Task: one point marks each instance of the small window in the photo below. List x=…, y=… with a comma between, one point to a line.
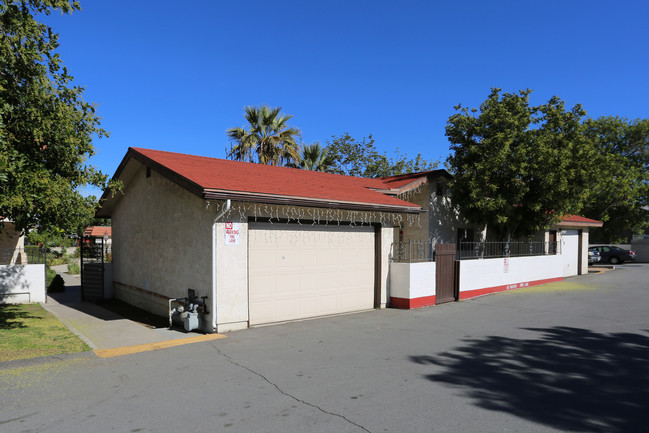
x=148, y=172
x=440, y=189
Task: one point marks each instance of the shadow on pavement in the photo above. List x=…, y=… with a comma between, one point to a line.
x=109, y=309
x=567, y=378
x=71, y=298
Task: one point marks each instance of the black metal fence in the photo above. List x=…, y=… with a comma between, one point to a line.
x=484, y=250
x=413, y=251
x=23, y=256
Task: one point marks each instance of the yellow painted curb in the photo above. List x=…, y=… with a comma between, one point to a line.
x=127, y=350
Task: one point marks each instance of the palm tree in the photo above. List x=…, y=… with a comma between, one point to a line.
x=268, y=139
x=316, y=158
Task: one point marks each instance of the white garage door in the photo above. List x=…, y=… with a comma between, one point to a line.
x=296, y=272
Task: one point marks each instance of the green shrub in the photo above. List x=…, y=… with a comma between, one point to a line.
x=74, y=269
x=49, y=276
x=57, y=285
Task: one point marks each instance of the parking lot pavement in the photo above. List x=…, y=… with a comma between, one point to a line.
x=570, y=356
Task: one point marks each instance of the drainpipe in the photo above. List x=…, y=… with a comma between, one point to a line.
x=216, y=218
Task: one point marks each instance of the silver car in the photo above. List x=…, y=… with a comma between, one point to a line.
x=593, y=257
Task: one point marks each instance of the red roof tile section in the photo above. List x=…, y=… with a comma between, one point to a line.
x=97, y=231
x=578, y=219
x=235, y=176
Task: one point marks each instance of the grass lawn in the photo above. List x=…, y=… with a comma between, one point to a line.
x=28, y=331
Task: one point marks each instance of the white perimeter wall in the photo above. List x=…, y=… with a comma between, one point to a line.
x=20, y=284
x=412, y=280
x=490, y=273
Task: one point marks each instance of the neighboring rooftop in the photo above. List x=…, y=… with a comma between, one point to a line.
x=98, y=231
x=579, y=221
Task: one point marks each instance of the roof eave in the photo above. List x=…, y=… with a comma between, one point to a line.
x=174, y=177
x=307, y=201
x=426, y=177
x=579, y=224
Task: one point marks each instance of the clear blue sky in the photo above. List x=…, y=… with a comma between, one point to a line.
x=174, y=76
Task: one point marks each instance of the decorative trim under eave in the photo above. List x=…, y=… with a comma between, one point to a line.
x=307, y=202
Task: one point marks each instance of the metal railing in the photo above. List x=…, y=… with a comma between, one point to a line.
x=413, y=251
x=484, y=250
x=23, y=256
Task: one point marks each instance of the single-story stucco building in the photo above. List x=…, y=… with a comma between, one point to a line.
x=265, y=244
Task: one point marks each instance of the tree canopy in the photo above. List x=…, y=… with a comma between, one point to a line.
x=518, y=168
x=361, y=158
x=268, y=139
x=46, y=128
x=316, y=158
x=620, y=186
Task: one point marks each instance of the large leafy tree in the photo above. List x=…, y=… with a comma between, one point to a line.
x=518, y=168
x=361, y=158
x=46, y=128
x=268, y=139
x=620, y=188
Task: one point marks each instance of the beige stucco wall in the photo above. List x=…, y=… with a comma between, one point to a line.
x=440, y=220
x=12, y=245
x=419, y=230
x=162, y=241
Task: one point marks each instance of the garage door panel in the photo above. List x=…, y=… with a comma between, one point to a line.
x=301, y=272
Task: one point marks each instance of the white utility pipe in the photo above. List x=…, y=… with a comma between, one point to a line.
x=228, y=204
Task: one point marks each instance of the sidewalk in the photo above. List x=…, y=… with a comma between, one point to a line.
x=98, y=327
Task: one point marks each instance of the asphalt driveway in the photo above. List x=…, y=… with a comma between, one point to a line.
x=570, y=356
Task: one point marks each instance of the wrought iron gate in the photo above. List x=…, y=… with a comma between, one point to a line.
x=444, y=273
x=92, y=252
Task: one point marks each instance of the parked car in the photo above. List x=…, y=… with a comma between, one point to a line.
x=593, y=256
x=612, y=254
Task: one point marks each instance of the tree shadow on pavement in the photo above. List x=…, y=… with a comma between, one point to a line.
x=567, y=378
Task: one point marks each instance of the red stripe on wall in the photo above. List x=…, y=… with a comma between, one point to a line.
x=481, y=292
x=407, y=304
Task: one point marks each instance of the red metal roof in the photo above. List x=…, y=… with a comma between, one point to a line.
x=213, y=174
